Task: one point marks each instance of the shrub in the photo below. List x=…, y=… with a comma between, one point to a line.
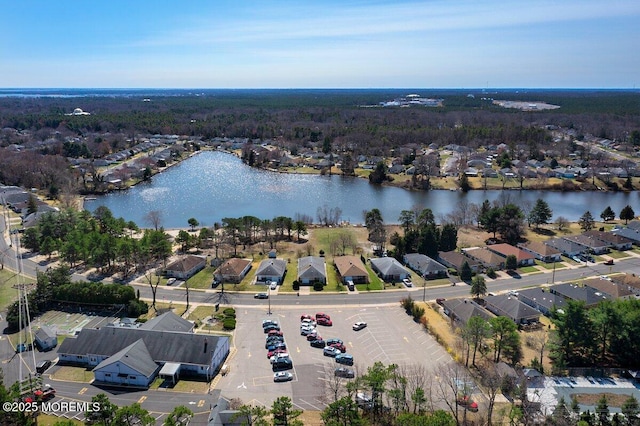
x=417, y=313
x=229, y=312
x=229, y=324
x=318, y=286
x=230, y=315
x=296, y=285
x=491, y=273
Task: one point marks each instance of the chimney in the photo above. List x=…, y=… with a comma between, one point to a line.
x=205, y=345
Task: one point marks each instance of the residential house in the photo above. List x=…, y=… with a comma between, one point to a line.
x=461, y=310
x=186, y=267
x=425, y=266
x=222, y=415
x=505, y=305
x=455, y=260
x=312, y=269
x=233, y=270
x=615, y=241
x=46, y=338
x=566, y=247
x=351, y=268
x=487, y=258
x=588, y=295
x=389, y=269
x=271, y=270
x=632, y=282
x=541, y=251
x=589, y=244
x=524, y=258
x=542, y=300
x=488, y=172
x=168, y=322
x=613, y=289
x=629, y=233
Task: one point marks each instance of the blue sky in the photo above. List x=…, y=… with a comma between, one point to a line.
x=320, y=44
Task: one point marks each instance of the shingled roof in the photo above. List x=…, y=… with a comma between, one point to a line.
x=136, y=356
x=163, y=346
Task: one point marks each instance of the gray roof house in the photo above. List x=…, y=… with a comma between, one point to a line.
x=455, y=260
x=461, y=310
x=271, y=270
x=509, y=306
x=541, y=299
x=617, y=242
x=590, y=244
x=389, y=269
x=541, y=251
x=566, y=247
x=46, y=338
x=586, y=294
x=425, y=266
x=168, y=322
x=132, y=366
x=312, y=269
x=629, y=233
x=191, y=353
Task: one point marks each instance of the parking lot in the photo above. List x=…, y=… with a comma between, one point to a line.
x=390, y=337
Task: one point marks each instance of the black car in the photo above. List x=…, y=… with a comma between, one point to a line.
x=344, y=359
x=318, y=343
x=276, y=345
x=261, y=296
x=273, y=340
x=333, y=341
x=42, y=366
x=282, y=364
x=270, y=327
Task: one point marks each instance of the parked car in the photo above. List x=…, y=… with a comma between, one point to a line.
x=307, y=321
x=282, y=376
x=305, y=316
x=345, y=359
x=331, y=351
x=273, y=340
x=42, y=366
x=347, y=373
x=306, y=330
x=325, y=321
x=261, y=296
x=407, y=282
x=274, y=333
x=313, y=336
x=276, y=345
x=171, y=281
x=271, y=327
x=275, y=351
x=609, y=262
x=273, y=285
x=440, y=300
x=350, y=285
x=282, y=364
x=339, y=346
x=333, y=340
x=318, y=343
x=359, y=325
x=322, y=315
x=269, y=321
x=280, y=355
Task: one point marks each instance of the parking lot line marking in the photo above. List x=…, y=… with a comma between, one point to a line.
x=82, y=391
x=141, y=400
x=405, y=339
x=201, y=403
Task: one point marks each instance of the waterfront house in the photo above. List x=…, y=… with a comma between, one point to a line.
x=455, y=260
x=186, y=266
x=589, y=244
x=389, y=269
x=541, y=251
x=312, y=269
x=351, y=268
x=524, y=258
x=271, y=270
x=425, y=266
x=487, y=258
x=233, y=270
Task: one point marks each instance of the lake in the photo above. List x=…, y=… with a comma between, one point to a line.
x=213, y=185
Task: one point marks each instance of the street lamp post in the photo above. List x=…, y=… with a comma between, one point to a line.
x=269, y=299
x=424, y=290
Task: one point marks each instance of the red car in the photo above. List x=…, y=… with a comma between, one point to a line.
x=339, y=346
x=324, y=321
x=274, y=333
x=305, y=316
x=276, y=351
x=322, y=315
x=313, y=336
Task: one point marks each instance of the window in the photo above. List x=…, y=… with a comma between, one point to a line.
x=107, y=374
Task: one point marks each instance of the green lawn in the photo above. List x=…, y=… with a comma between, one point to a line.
x=7, y=293
x=549, y=266
x=619, y=254
x=202, y=279
x=528, y=269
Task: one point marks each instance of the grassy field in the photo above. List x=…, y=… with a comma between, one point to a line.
x=7, y=293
